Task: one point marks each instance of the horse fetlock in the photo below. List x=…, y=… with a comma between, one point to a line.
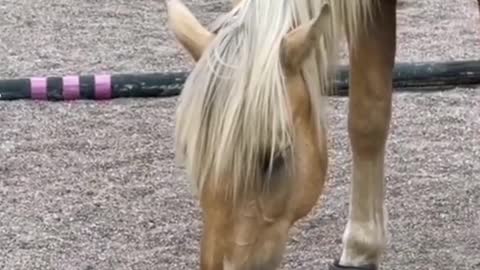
x=364, y=243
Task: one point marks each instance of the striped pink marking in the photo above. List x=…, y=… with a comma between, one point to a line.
x=71, y=87
x=38, y=88
x=103, y=86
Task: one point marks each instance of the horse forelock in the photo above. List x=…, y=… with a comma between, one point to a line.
x=234, y=106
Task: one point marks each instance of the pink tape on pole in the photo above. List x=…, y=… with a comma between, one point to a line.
x=71, y=87
x=38, y=88
x=103, y=87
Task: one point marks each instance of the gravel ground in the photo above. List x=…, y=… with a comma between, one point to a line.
x=93, y=185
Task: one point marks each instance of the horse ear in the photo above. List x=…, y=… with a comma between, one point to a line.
x=299, y=42
x=187, y=29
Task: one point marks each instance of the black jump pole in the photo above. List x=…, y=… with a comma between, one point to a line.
x=416, y=77
x=424, y=77
x=96, y=87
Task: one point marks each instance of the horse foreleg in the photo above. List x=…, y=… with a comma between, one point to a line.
x=372, y=58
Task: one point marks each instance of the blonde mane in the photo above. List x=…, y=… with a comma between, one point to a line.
x=233, y=115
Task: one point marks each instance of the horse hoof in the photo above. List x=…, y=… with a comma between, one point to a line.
x=336, y=266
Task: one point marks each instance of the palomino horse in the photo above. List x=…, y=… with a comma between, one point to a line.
x=251, y=131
